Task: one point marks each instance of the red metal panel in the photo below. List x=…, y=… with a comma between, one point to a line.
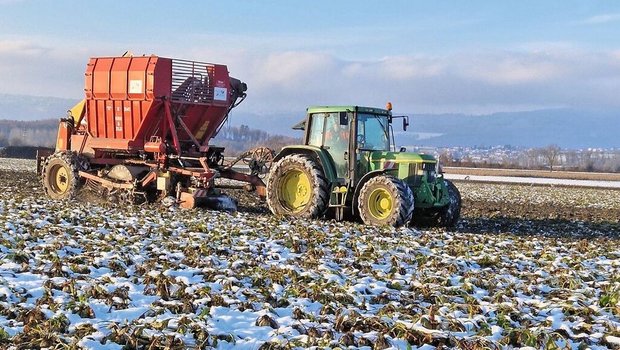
x=100, y=118
x=221, y=89
x=128, y=130
x=91, y=110
x=88, y=88
x=108, y=143
x=137, y=78
x=118, y=78
x=162, y=77
x=101, y=78
x=152, y=114
x=117, y=121
x=136, y=116
x=109, y=119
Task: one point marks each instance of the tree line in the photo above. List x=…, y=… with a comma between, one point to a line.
x=238, y=139
x=40, y=133
x=551, y=157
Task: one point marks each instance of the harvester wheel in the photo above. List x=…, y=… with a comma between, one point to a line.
x=385, y=200
x=450, y=214
x=60, y=175
x=297, y=187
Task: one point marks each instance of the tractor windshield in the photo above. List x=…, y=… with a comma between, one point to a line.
x=372, y=132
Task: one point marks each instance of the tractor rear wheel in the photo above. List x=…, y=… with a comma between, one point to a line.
x=297, y=187
x=450, y=214
x=385, y=200
x=60, y=175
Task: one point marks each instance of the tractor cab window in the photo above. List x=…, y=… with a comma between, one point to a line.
x=331, y=131
x=315, y=137
x=372, y=132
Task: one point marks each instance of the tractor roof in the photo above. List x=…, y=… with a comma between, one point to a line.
x=327, y=109
x=330, y=109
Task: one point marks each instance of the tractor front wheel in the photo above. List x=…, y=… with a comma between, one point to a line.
x=60, y=175
x=385, y=200
x=297, y=187
x=450, y=214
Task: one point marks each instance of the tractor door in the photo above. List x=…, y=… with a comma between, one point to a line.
x=372, y=134
x=331, y=131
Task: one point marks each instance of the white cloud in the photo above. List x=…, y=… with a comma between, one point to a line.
x=33, y=67
x=407, y=67
x=289, y=81
x=290, y=68
x=601, y=19
x=20, y=47
x=511, y=69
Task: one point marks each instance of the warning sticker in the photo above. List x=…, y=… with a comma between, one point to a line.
x=220, y=94
x=135, y=86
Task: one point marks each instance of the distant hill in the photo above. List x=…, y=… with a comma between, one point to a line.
x=568, y=128
x=23, y=107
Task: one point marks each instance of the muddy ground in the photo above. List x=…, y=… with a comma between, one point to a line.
x=487, y=208
x=559, y=215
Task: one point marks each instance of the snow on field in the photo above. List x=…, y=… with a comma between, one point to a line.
x=540, y=195
x=535, y=180
x=102, y=276
x=18, y=164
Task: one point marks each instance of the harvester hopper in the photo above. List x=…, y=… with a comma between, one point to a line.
x=143, y=132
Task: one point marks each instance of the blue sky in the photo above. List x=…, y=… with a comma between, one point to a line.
x=449, y=56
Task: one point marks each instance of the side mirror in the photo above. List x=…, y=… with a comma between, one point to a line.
x=344, y=118
x=405, y=123
x=403, y=149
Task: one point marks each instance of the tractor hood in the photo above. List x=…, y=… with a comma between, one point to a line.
x=402, y=157
x=391, y=160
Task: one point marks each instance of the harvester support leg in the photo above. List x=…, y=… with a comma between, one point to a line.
x=172, y=126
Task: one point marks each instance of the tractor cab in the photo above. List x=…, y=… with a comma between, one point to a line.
x=345, y=133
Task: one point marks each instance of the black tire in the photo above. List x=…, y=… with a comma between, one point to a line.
x=396, y=195
x=60, y=175
x=450, y=214
x=307, y=194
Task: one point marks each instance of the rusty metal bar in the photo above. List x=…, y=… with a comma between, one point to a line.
x=106, y=183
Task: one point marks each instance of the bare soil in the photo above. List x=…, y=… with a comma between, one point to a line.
x=482, y=215
x=488, y=216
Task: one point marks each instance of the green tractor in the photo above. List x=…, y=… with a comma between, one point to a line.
x=347, y=168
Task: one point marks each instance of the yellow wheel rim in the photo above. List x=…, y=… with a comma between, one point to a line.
x=60, y=179
x=295, y=190
x=380, y=203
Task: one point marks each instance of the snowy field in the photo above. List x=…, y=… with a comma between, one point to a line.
x=535, y=181
x=18, y=164
x=88, y=276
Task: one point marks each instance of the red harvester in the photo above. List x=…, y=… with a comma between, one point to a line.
x=143, y=131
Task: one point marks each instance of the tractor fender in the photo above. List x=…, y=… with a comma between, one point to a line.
x=361, y=183
x=316, y=153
